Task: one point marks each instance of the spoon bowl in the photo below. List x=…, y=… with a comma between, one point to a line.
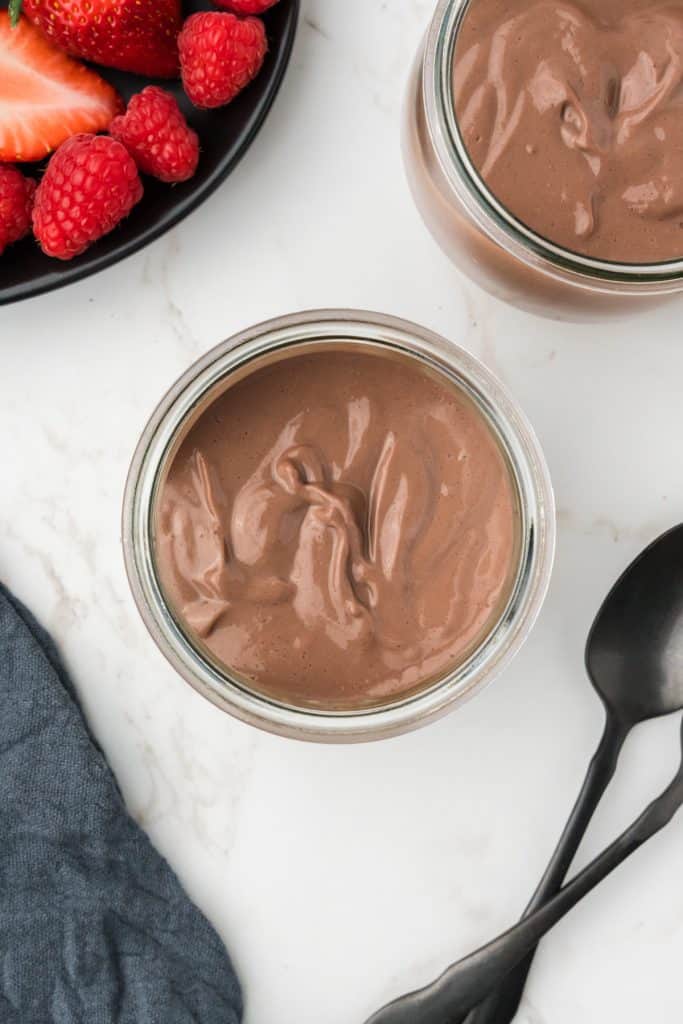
x=634, y=659
x=634, y=654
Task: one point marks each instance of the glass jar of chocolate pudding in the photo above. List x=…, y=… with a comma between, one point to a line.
x=543, y=145
x=338, y=525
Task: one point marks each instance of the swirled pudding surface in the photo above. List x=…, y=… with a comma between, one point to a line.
x=338, y=528
x=573, y=115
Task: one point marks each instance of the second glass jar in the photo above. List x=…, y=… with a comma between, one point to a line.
x=482, y=237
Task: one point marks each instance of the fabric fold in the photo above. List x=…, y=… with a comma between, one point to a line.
x=95, y=928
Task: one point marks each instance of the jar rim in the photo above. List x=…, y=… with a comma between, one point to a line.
x=491, y=215
x=529, y=470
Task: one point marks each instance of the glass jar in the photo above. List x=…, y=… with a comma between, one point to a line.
x=481, y=236
x=280, y=338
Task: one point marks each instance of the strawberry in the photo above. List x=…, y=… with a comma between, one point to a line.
x=131, y=35
x=44, y=95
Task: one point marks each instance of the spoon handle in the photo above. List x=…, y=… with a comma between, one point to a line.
x=464, y=984
x=501, y=1006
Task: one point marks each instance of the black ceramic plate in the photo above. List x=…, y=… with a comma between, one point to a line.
x=225, y=135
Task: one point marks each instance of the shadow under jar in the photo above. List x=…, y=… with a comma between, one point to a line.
x=486, y=238
x=338, y=525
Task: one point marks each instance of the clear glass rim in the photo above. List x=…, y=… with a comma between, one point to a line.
x=529, y=470
x=492, y=216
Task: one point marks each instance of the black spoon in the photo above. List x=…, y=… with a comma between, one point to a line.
x=464, y=984
x=634, y=658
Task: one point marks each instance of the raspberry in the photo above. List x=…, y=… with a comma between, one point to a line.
x=219, y=55
x=157, y=136
x=90, y=184
x=245, y=6
x=16, y=202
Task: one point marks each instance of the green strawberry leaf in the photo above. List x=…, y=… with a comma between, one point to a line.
x=14, y=12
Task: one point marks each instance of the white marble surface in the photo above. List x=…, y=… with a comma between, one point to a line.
x=339, y=877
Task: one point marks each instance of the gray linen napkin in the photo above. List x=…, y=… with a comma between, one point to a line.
x=94, y=926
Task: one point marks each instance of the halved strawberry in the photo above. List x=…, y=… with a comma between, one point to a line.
x=46, y=96
x=131, y=35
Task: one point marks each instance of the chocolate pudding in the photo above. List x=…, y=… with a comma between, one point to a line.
x=572, y=114
x=339, y=528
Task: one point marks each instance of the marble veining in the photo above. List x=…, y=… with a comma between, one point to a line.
x=341, y=876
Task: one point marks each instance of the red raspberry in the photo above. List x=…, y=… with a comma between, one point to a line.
x=16, y=202
x=245, y=6
x=157, y=136
x=90, y=184
x=219, y=55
